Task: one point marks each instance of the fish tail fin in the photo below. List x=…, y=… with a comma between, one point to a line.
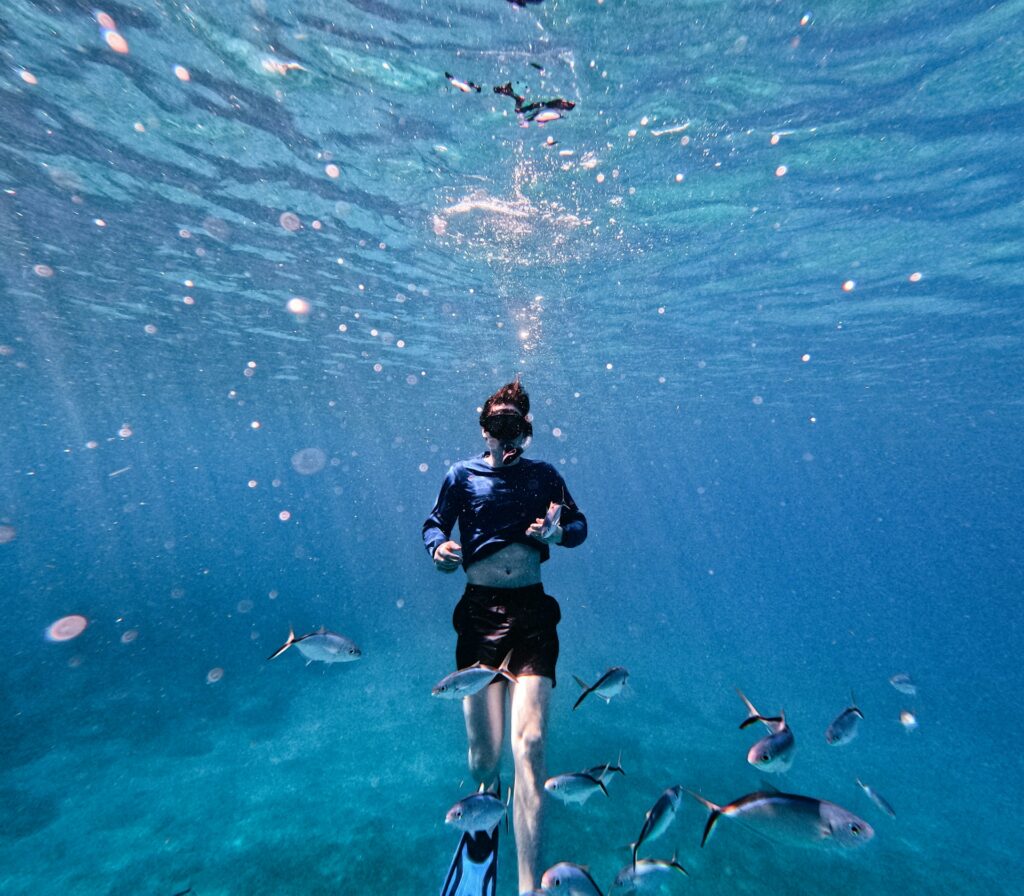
x=618, y=764
x=285, y=646
x=633, y=847
x=586, y=691
x=716, y=813
x=503, y=669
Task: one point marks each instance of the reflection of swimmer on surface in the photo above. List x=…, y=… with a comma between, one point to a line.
x=464, y=86
x=540, y=111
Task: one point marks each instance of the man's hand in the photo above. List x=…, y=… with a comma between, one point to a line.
x=448, y=556
x=536, y=530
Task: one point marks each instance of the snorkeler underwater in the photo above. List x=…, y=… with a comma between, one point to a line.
x=510, y=447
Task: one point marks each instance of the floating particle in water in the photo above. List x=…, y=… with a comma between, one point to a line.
x=177, y=593
x=150, y=329
x=298, y=305
x=129, y=636
x=904, y=684
x=332, y=170
x=188, y=300
x=217, y=228
x=255, y=424
x=273, y=595
x=99, y=222
x=812, y=419
x=284, y=516
x=781, y=171
x=378, y=367
x=289, y=221
x=342, y=328
x=125, y=432
x=411, y=379
x=66, y=628
x=680, y=177
x=775, y=140
x=915, y=277
x=115, y=41
x=908, y=720
x=28, y=77
x=214, y=675
x=42, y=270
x=400, y=343
x=245, y=606
x=423, y=468
x=182, y=73
x=104, y=20
x=758, y=400
x=805, y=358
x=252, y=483
x=316, y=225
x=805, y=20
x=546, y=116
x=309, y=461
x=849, y=285
x=7, y=534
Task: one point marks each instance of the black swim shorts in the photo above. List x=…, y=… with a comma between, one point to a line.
x=491, y=622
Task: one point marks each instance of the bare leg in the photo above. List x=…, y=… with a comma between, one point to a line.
x=530, y=699
x=485, y=731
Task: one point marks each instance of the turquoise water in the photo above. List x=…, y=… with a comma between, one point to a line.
x=793, y=487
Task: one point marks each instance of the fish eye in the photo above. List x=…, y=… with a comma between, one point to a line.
x=855, y=830
x=765, y=757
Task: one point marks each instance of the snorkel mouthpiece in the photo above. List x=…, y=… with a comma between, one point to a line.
x=509, y=453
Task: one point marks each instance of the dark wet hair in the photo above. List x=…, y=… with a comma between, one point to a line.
x=510, y=394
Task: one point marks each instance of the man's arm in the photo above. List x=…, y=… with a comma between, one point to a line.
x=438, y=526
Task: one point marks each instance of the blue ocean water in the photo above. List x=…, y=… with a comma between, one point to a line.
x=261, y=262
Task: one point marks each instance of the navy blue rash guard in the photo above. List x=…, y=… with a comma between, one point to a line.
x=494, y=506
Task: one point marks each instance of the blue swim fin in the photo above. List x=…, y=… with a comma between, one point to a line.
x=474, y=870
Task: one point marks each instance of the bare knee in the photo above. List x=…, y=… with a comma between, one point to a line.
x=528, y=747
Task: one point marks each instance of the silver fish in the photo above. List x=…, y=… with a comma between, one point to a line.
x=659, y=817
x=877, y=798
x=773, y=752
x=573, y=880
x=791, y=818
x=904, y=684
x=607, y=686
x=480, y=811
x=322, y=646
x=575, y=787
x=646, y=876
x=472, y=679
x=844, y=726
x=551, y=519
